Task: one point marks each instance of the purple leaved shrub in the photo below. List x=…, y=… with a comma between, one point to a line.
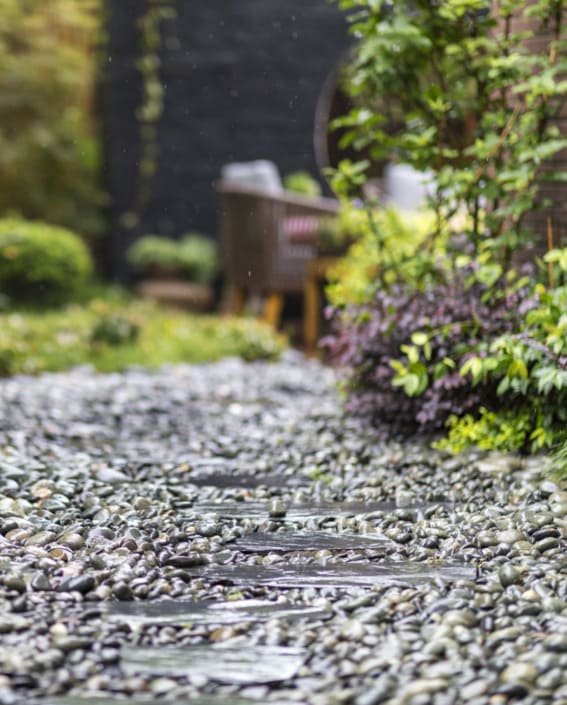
x=457, y=315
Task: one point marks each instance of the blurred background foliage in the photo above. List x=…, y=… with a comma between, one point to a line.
x=50, y=155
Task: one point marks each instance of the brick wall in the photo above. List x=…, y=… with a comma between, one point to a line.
x=555, y=192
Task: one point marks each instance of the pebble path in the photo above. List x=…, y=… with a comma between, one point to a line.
x=223, y=535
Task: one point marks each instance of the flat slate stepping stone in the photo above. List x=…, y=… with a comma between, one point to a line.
x=235, y=665
x=230, y=480
x=287, y=542
x=339, y=575
x=301, y=512
x=178, y=612
x=141, y=700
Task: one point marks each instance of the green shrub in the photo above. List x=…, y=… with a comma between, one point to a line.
x=387, y=245
x=454, y=89
x=302, y=182
x=7, y=362
x=50, y=154
x=401, y=352
x=41, y=264
x=194, y=256
x=115, y=330
x=559, y=460
x=153, y=251
x=528, y=370
x=199, y=257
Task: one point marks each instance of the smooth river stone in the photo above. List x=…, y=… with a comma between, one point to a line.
x=245, y=664
x=179, y=613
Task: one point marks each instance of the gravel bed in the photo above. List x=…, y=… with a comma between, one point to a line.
x=463, y=591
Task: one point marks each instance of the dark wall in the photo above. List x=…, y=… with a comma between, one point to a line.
x=242, y=80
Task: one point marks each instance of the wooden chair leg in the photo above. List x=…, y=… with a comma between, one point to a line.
x=235, y=298
x=311, y=313
x=273, y=309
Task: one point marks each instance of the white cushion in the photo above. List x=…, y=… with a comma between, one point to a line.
x=261, y=174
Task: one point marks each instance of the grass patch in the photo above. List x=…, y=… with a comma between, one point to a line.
x=32, y=342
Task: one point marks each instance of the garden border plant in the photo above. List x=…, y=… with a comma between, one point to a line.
x=41, y=264
x=475, y=108
x=50, y=151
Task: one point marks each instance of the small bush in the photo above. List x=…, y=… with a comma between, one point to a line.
x=50, y=147
x=152, y=251
x=527, y=368
x=194, y=256
x=402, y=352
x=7, y=362
x=115, y=330
x=302, y=182
x=559, y=460
x=387, y=245
x=41, y=264
x=199, y=257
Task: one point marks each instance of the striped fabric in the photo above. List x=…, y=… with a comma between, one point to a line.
x=301, y=229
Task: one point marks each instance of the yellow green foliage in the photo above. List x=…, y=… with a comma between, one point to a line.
x=49, y=155
x=387, y=245
x=41, y=264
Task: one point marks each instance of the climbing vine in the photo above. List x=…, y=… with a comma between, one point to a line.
x=151, y=106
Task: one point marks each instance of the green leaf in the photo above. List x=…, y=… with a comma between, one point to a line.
x=419, y=339
x=472, y=366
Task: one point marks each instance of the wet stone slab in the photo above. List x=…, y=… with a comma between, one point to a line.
x=144, y=700
x=339, y=575
x=287, y=542
x=299, y=512
x=244, y=664
x=236, y=480
x=175, y=612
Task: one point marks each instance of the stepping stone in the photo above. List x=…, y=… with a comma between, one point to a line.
x=340, y=575
x=287, y=542
x=143, y=700
x=245, y=664
x=299, y=512
x=230, y=480
x=179, y=613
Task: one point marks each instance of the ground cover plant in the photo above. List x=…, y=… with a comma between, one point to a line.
x=112, y=332
x=450, y=330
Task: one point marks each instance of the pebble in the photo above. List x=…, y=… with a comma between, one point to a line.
x=277, y=509
x=74, y=541
x=82, y=584
x=510, y=575
x=515, y=672
x=98, y=520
